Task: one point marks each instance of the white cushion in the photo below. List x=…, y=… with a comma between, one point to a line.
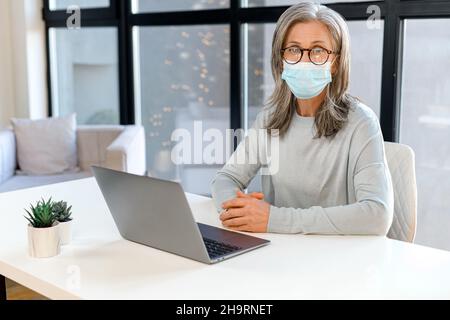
x=46, y=146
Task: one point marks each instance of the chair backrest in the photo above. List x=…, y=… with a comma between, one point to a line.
x=401, y=163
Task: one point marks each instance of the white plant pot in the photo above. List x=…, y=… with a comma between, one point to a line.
x=44, y=243
x=65, y=232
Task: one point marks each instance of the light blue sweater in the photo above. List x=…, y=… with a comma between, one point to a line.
x=340, y=185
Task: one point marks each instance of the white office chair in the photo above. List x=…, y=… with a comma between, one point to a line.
x=401, y=163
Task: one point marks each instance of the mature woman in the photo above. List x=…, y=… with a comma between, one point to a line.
x=332, y=177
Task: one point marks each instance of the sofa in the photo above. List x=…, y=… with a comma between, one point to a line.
x=116, y=147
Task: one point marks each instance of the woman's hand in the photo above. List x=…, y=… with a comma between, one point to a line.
x=249, y=213
x=256, y=195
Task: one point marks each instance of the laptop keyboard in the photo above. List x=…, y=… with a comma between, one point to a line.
x=217, y=249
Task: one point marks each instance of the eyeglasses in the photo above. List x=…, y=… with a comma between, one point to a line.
x=317, y=55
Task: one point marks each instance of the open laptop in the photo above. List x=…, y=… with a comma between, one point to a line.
x=156, y=213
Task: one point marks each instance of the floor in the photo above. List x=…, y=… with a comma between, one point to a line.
x=17, y=292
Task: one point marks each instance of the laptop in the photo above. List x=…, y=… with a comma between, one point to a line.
x=156, y=213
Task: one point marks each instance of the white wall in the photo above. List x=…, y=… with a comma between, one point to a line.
x=23, y=87
x=6, y=73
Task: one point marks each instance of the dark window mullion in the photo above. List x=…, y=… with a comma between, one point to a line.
x=236, y=121
x=84, y=24
x=126, y=74
x=424, y=9
x=214, y=16
x=48, y=71
x=390, y=76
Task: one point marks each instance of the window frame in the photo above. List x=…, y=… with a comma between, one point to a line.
x=120, y=15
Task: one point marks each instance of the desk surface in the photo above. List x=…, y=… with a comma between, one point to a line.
x=100, y=265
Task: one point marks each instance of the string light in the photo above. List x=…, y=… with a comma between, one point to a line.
x=258, y=72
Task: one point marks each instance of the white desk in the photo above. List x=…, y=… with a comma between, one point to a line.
x=292, y=267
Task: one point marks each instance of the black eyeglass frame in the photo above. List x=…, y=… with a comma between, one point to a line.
x=330, y=52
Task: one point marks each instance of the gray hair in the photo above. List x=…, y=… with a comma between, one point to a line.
x=333, y=113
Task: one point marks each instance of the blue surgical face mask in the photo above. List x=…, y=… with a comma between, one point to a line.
x=305, y=79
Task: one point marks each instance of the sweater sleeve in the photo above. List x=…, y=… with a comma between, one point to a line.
x=372, y=212
x=240, y=169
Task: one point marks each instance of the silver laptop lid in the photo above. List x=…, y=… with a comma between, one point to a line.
x=152, y=212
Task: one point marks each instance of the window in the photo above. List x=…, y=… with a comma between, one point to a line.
x=84, y=71
x=258, y=79
x=366, y=66
x=425, y=123
x=184, y=79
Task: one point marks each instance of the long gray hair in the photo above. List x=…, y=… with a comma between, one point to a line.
x=332, y=115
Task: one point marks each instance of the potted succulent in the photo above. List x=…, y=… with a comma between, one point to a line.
x=43, y=230
x=63, y=214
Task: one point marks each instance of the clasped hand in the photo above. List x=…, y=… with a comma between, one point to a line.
x=246, y=212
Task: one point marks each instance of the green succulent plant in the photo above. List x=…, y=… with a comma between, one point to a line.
x=62, y=212
x=41, y=216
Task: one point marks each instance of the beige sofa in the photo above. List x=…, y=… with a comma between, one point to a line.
x=116, y=147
